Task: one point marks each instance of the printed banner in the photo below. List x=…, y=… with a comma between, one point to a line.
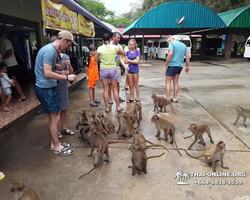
x=59, y=17
x=86, y=27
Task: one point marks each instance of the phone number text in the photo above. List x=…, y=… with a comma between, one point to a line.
x=218, y=182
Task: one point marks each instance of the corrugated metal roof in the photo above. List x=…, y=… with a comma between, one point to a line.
x=168, y=14
x=237, y=18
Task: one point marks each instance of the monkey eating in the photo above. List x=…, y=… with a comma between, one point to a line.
x=168, y=128
x=82, y=119
x=198, y=131
x=126, y=125
x=106, y=122
x=23, y=192
x=139, y=161
x=213, y=154
x=242, y=112
x=139, y=141
x=161, y=102
x=98, y=140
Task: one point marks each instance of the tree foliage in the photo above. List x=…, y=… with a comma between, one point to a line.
x=96, y=8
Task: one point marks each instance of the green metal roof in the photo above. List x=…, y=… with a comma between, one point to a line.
x=166, y=16
x=237, y=18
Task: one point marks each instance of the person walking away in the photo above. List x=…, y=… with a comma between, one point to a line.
x=108, y=71
x=116, y=39
x=63, y=66
x=174, y=65
x=8, y=57
x=145, y=51
x=92, y=75
x=6, y=84
x=46, y=87
x=153, y=50
x=132, y=58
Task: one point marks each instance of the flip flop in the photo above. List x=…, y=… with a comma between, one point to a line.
x=106, y=111
x=67, y=131
x=1, y=175
x=120, y=110
x=130, y=101
x=20, y=99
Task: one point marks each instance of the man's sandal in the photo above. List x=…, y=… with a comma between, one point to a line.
x=66, y=131
x=64, y=152
x=65, y=145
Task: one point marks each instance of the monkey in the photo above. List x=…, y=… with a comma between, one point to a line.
x=139, y=161
x=131, y=116
x=161, y=102
x=23, y=192
x=126, y=126
x=213, y=154
x=82, y=119
x=83, y=132
x=106, y=122
x=168, y=128
x=243, y=112
x=198, y=131
x=98, y=140
x=97, y=122
x=140, y=141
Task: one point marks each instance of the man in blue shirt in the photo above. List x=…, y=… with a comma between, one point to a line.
x=153, y=50
x=46, y=82
x=174, y=64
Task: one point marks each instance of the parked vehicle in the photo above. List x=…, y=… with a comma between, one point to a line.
x=247, y=49
x=162, y=48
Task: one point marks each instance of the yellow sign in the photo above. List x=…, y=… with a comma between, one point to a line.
x=86, y=27
x=59, y=17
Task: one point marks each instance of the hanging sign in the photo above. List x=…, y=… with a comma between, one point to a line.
x=59, y=17
x=86, y=27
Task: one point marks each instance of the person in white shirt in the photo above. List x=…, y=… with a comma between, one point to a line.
x=6, y=84
x=8, y=57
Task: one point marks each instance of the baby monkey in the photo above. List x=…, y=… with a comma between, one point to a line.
x=213, y=154
x=23, y=192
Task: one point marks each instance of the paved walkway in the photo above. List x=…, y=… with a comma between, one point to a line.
x=209, y=94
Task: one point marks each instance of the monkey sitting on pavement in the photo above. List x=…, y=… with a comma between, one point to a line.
x=168, y=128
x=213, y=154
x=198, y=131
x=23, y=192
x=98, y=140
x=106, y=122
x=242, y=112
x=139, y=161
x=161, y=102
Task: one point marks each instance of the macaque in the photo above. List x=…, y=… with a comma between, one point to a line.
x=97, y=122
x=126, y=125
x=161, y=102
x=98, y=140
x=139, y=141
x=198, y=131
x=106, y=122
x=82, y=119
x=168, y=128
x=23, y=192
x=213, y=154
x=139, y=161
x=243, y=112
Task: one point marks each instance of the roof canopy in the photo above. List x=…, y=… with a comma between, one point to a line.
x=164, y=19
x=237, y=18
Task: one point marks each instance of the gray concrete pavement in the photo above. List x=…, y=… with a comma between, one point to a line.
x=209, y=94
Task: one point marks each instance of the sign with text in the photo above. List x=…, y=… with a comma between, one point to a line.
x=59, y=17
x=86, y=27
